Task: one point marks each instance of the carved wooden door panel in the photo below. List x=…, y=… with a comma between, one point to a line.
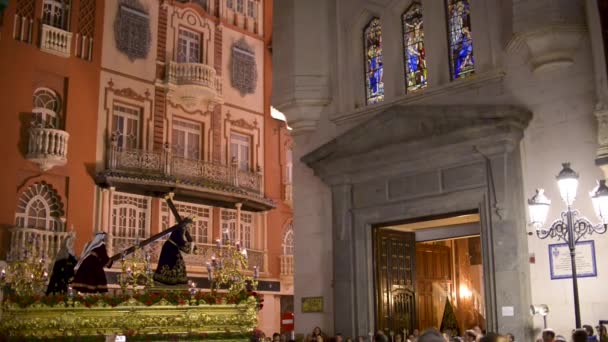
x=433, y=277
x=394, y=254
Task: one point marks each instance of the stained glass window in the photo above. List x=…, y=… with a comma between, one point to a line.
x=462, y=63
x=373, y=62
x=413, y=43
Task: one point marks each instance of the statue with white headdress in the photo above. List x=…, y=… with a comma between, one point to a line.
x=90, y=276
x=63, y=268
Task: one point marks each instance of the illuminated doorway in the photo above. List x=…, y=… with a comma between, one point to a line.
x=429, y=274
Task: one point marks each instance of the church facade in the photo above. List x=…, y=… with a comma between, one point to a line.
x=421, y=128
x=111, y=104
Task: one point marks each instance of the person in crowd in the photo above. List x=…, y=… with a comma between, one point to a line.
x=603, y=332
x=470, y=336
x=380, y=337
x=590, y=333
x=548, y=335
x=276, y=337
x=560, y=338
x=411, y=338
x=490, y=337
x=89, y=274
x=431, y=335
x=579, y=335
x=360, y=338
x=338, y=338
x=398, y=337
x=510, y=337
x=348, y=339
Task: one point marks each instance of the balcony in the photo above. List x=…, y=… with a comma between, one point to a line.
x=48, y=242
x=151, y=172
x=194, y=84
x=47, y=147
x=55, y=41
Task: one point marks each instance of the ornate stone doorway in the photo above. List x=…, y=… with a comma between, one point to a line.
x=410, y=162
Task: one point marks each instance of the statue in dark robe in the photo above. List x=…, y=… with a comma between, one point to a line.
x=63, y=269
x=171, y=268
x=90, y=276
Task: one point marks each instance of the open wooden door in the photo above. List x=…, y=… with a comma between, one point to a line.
x=394, y=254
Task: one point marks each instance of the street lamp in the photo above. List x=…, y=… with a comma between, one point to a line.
x=569, y=228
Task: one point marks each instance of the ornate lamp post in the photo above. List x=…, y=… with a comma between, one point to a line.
x=569, y=228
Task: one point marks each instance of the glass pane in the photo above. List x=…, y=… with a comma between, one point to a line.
x=373, y=62
x=413, y=41
x=462, y=63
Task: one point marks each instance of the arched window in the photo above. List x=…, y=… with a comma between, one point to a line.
x=288, y=240
x=47, y=107
x=374, y=85
x=40, y=207
x=413, y=43
x=462, y=63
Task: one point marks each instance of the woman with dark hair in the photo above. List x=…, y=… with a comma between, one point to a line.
x=579, y=335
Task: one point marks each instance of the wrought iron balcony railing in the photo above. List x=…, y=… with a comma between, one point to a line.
x=164, y=164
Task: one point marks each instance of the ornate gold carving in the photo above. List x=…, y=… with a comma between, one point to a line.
x=129, y=318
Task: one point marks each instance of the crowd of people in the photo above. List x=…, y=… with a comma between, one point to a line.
x=476, y=334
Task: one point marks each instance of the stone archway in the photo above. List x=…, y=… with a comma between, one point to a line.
x=410, y=162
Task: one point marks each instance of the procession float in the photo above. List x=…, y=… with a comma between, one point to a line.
x=70, y=302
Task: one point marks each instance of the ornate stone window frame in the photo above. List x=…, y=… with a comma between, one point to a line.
x=132, y=98
x=45, y=193
x=204, y=118
x=189, y=19
x=245, y=127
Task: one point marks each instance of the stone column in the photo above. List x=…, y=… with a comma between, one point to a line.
x=343, y=259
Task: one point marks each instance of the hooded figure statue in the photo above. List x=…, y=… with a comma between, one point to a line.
x=90, y=276
x=63, y=269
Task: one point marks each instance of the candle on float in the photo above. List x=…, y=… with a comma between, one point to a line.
x=218, y=243
x=256, y=272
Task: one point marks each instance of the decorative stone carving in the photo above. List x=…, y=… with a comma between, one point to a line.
x=132, y=29
x=244, y=74
x=551, y=47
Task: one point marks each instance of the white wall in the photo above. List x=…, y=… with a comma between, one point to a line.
x=562, y=101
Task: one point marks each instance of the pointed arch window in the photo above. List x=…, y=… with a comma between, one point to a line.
x=413, y=43
x=47, y=108
x=288, y=239
x=39, y=207
x=460, y=38
x=374, y=85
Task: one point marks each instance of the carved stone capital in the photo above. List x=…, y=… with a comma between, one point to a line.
x=601, y=113
x=550, y=47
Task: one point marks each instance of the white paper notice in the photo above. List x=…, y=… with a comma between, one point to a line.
x=508, y=311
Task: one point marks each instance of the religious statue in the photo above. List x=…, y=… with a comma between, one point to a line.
x=90, y=276
x=63, y=269
x=171, y=268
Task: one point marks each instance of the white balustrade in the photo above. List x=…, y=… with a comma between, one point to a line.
x=286, y=265
x=56, y=41
x=193, y=74
x=46, y=243
x=48, y=147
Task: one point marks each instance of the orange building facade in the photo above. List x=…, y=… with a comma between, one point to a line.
x=108, y=105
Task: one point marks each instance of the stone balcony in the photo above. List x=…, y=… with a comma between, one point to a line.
x=286, y=265
x=47, y=147
x=55, y=41
x=194, y=84
x=157, y=172
x=48, y=242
